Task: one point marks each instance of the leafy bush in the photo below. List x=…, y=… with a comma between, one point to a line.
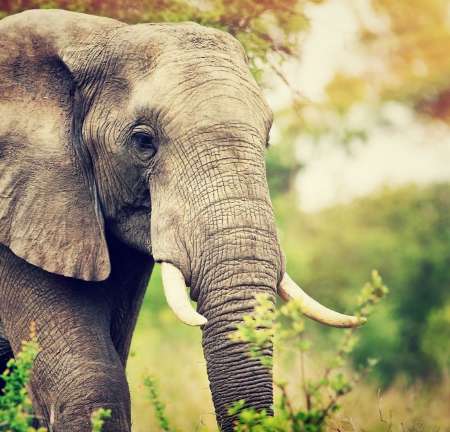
x=285, y=327
x=404, y=232
x=98, y=419
x=16, y=411
x=436, y=336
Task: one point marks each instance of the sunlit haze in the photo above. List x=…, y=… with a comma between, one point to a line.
x=408, y=150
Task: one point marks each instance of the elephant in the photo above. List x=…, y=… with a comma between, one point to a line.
x=121, y=147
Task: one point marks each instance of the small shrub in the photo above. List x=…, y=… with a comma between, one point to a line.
x=16, y=413
x=285, y=325
x=159, y=407
x=98, y=419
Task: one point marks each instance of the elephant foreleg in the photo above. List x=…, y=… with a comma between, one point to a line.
x=78, y=369
x=128, y=282
x=5, y=353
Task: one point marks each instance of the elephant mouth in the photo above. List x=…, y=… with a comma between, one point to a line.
x=177, y=297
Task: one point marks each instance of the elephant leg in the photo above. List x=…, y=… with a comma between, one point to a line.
x=130, y=275
x=78, y=369
x=124, y=318
x=5, y=354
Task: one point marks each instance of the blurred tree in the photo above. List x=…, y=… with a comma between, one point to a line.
x=436, y=335
x=402, y=48
x=262, y=26
x=405, y=234
x=413, y=49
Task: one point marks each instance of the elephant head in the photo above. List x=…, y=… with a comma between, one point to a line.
x=154, y=134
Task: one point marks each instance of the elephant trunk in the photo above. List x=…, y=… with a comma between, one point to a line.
x=232, y=374
x=243, y=262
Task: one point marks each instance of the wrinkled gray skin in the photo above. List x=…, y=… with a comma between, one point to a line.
x=86, y=208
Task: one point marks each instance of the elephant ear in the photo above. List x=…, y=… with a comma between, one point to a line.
x=49, y=212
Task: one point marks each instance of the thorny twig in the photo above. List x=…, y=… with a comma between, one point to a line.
x=286, y=400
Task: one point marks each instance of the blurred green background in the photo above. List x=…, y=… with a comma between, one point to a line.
x=359, y=172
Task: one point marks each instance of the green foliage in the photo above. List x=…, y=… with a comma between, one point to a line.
x=16, y=414
x=249, y=419
x=406, y=235
x=158, y=405
x=285, y=326
x=98, y=419
x=436, y=336
x=258, y=329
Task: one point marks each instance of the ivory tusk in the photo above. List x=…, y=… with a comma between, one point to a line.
x=288, y=290
x=177, y=296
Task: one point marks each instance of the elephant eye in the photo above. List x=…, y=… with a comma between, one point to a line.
x=145, y=144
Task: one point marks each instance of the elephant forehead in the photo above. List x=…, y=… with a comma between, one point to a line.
x=139, y=47
x=196, y=36
x=188, y=70
x=187, y=35
x=197, y=99
x=184, y=61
